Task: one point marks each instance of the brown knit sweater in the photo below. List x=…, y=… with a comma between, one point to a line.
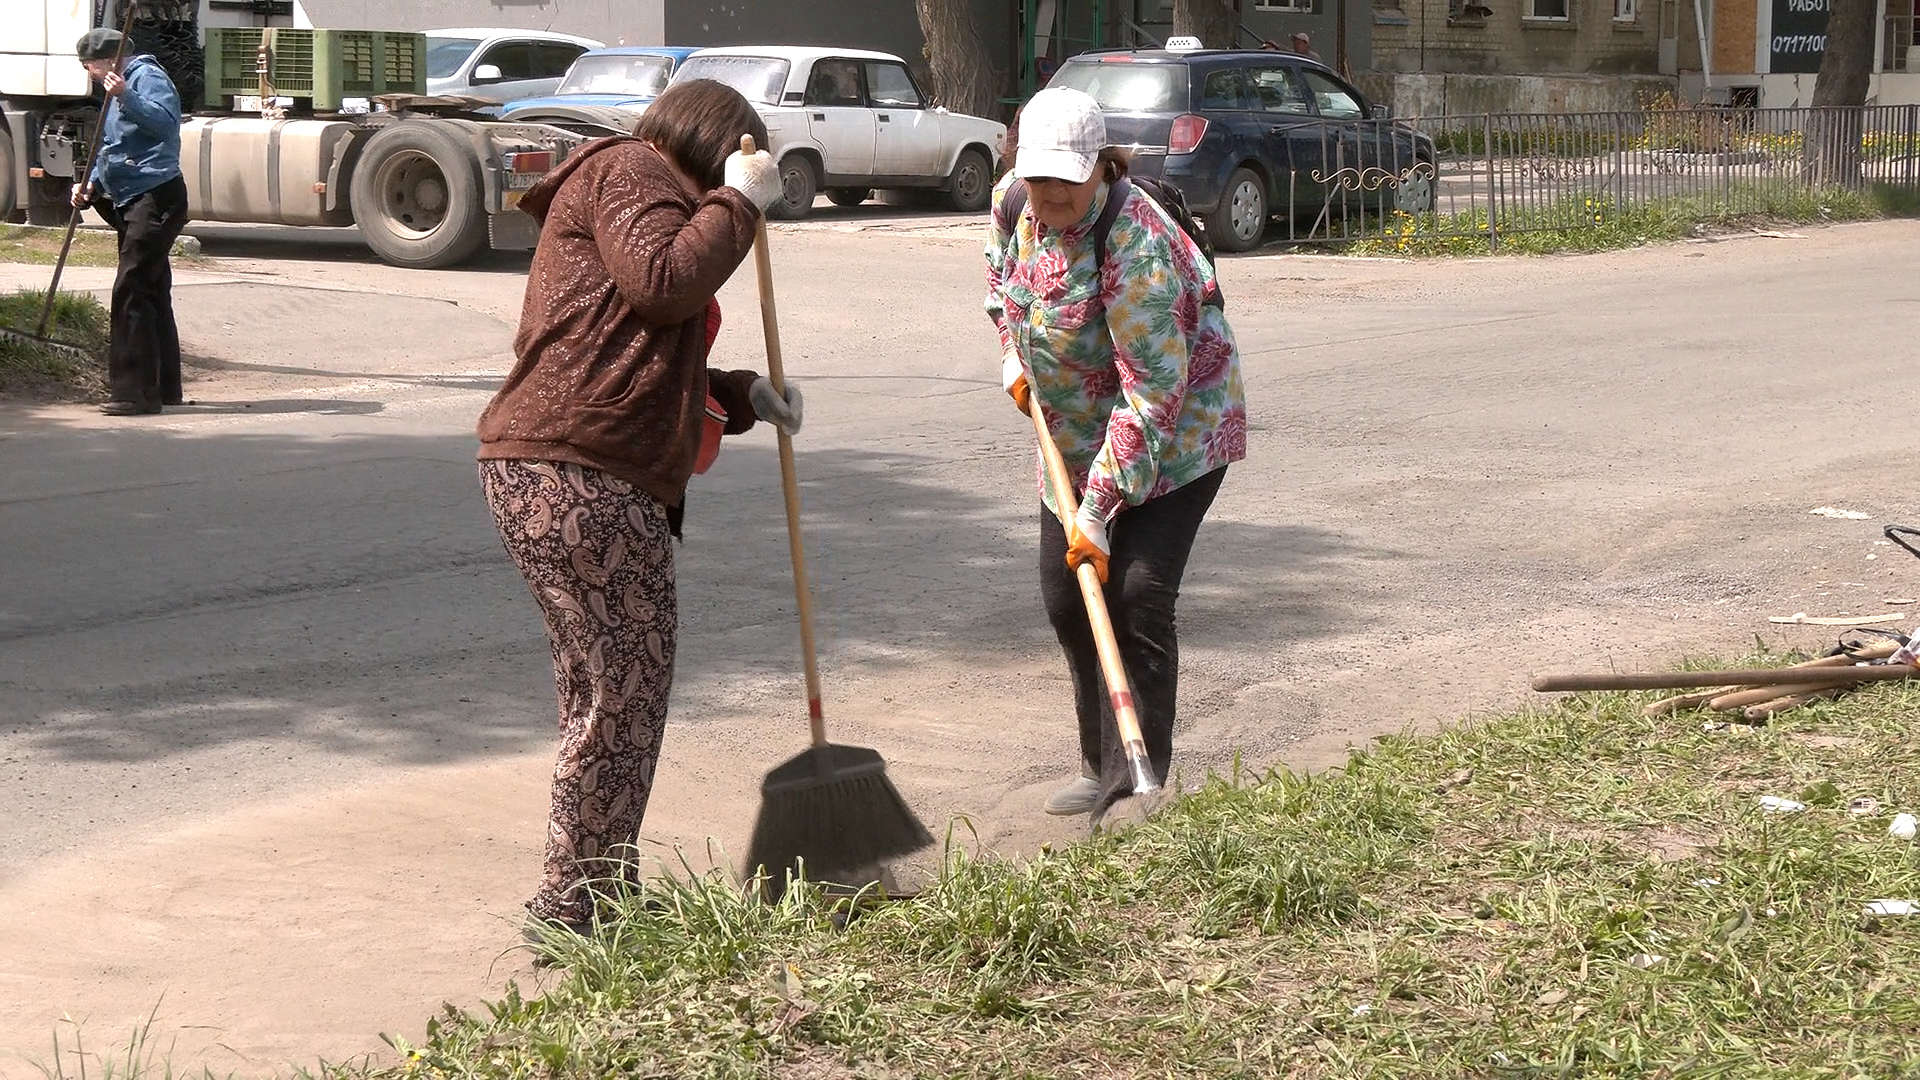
x=611, y=370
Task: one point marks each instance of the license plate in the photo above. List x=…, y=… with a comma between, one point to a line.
x=517, y=181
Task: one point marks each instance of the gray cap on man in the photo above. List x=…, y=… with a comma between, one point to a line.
x=99, y=43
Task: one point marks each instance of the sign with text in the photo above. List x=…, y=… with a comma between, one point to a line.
x=1799, y=36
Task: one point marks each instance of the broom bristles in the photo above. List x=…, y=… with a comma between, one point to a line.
x=832, y=824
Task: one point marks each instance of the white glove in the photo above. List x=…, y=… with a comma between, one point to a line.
x=1011, y=371
x=769, y=406
x=756, y=177
x=1093, y=530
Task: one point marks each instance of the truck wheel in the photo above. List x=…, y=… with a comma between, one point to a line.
x=9, y=181
x=416, y=197
x=797, y=186
x=846, y=196
x=970, y=189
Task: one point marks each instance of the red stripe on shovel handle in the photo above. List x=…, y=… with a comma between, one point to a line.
x=814, y=709
x=1122, y=701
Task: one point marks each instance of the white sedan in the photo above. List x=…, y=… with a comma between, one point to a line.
x=500, y=65
x=848, y=122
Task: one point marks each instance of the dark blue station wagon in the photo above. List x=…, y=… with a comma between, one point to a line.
x=1249, y=135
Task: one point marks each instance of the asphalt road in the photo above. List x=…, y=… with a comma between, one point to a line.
x=276, y=707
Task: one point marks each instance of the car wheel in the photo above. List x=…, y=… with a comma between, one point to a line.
x=970, y=189
x=1416, y=192
x=1241, y=221
x=849, y=196
x=417, y=199
x=797, y=188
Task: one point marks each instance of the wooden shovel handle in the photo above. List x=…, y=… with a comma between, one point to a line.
x=789, y=477
x=1666, y=706
x=1125, y=717
x=1766, y=709
x=1681, y=680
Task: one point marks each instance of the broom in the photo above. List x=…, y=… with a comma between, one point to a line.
x=831, y=808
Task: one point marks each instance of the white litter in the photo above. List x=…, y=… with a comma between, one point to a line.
x=1780, y=805
x=1645, y=960
x=1362, y=1009
x=1864, y=806
x=1706, y=882
x=1836, y=512
x=1904, y=827
x=1892, y=907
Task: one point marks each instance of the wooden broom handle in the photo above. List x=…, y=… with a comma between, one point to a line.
x=1093, y=592
x=789, y=478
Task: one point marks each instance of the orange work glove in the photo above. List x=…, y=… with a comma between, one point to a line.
x=1087, y=543
x=1013, y=379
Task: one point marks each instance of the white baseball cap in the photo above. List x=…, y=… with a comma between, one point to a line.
x=1062, y=132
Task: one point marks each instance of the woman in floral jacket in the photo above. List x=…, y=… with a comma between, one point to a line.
x=1139, y=378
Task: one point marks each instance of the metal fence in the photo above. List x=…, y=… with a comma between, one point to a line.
x=1485, y=177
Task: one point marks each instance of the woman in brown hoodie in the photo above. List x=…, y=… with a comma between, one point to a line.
x=586, y=451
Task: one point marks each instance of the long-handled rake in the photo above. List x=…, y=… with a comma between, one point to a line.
x=39, y=337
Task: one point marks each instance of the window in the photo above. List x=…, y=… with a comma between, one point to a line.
x=1553, y=10
x=835, y=84
x=891, y=87
x=1127, y=87
x=1334, y=100
x=613, y=73
x=1626, y=10
x=1226, y=89
x=758, y=78
x=1298, y=7
x=1277, y=90
x=552, y=59
x=515, y=59
x=445, y=55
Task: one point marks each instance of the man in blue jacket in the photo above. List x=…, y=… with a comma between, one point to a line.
x=136, y=186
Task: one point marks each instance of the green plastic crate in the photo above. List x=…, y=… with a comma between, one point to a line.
x=320, y=67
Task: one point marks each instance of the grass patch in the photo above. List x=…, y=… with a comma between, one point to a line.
x=1574, y=890
x=41, y=246
x=1598, y=223
x=30, y=370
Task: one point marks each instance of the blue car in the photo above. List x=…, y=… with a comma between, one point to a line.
x=603, y=89
x=1250, y=135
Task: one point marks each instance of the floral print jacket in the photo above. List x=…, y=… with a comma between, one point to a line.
x=1139, y=377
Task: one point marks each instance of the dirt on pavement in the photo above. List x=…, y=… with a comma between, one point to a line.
x=280, y=708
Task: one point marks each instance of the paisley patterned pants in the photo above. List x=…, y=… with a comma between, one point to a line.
x=599, y=559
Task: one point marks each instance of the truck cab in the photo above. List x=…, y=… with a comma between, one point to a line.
x=428, y=183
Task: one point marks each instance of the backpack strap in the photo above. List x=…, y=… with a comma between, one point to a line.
x=1014, y=202
x=1117, y=193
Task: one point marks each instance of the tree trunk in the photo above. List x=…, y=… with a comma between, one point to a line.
x=963, y=76
x=1831, y=151
x=1215, y=22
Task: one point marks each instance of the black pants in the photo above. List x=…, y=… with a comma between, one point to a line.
x=143, y=364
x=1151, y=543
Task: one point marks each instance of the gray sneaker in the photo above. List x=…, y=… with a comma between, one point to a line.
x=1077, y=797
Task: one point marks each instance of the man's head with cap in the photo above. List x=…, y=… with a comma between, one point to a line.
x=1062, y=132
x=97, y=49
